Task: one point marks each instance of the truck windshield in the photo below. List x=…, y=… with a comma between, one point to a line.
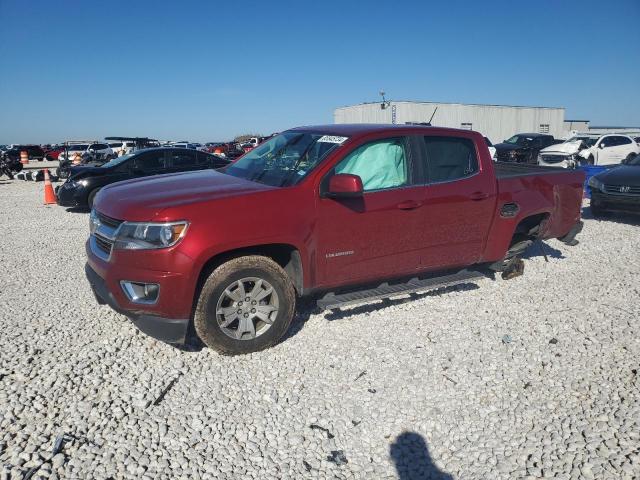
x=285, y=159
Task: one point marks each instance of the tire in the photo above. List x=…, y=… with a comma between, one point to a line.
x=62, y=172
x=91, y=197
x=218, y=292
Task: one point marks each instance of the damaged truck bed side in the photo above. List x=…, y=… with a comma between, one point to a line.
x=347, y=213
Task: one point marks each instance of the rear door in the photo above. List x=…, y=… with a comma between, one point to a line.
x=182, y=160
x=459, y=202
x=149, y=163
x=376, y=235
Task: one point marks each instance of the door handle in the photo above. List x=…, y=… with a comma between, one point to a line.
x=475, y=196
x=409, y=205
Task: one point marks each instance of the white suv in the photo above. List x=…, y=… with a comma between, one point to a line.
x=591, y=150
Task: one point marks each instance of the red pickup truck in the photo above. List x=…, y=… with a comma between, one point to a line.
x=346, y=213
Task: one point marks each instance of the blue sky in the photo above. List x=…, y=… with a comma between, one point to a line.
x=205, y=70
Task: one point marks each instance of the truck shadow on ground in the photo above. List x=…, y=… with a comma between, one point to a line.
x=411, y=458
x=539, y=249
x=308, y=307
x=622, y=218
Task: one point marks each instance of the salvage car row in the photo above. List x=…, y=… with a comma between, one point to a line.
x=193, y=247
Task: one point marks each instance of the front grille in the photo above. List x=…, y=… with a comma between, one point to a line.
x=103, y=244
x=503, y=156
x=110, y=222
x=622, y=189
x=554, y=158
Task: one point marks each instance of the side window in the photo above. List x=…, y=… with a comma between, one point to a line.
x=205, y=159
x=450, y=158
x=381, y=164
x=150, y=161
x=623, y=141
x=186, y=158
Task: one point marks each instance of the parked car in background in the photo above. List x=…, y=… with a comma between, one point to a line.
x=34, y=152
x=492, y=149
x=122, y=148
x=99, y=150
x=325, y=210
x=565, y=154
x=53, y=152
x=85, y=182
x=523, y=147
x=610, y=150
x=617, y=189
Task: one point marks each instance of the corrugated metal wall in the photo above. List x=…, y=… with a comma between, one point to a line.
x=494, y=121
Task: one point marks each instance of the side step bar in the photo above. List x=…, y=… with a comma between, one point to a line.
x=331, y=300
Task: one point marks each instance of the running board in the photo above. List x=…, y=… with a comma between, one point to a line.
x=331, y=300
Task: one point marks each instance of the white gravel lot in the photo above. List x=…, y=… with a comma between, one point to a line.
x=533, y=377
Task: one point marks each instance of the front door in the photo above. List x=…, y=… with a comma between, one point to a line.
x=373, y=236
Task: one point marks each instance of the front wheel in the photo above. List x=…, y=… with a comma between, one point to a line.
x=245, y=305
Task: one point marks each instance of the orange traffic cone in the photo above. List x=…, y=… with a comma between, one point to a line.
x=24, y=157
x=49, y=195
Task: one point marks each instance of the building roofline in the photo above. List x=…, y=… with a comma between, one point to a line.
x=452, y=103
x=600, y=126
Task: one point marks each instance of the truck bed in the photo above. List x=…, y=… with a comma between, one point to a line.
x=511, y=170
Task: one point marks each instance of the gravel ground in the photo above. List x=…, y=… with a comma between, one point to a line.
x=534, y=377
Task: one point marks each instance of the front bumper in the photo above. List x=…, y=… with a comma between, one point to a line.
x=618, y=203
x=169, y=330
x=68, y=196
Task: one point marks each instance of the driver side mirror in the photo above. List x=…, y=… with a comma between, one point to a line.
x=345, y=185
x=602, y=145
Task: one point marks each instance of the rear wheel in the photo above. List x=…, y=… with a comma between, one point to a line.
x=245, y=305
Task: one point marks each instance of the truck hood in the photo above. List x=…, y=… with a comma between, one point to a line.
x=143, y=199
x=566, y=148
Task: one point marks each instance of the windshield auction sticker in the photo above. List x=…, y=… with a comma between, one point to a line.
x=332, y=139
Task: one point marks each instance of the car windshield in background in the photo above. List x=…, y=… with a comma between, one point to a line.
x=285, y=159
x=519, y=140
x=117, y=161
x=77, y=148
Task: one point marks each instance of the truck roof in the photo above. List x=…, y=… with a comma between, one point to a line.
x=351, y=129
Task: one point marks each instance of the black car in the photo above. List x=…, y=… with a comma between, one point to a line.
x=84, y=182
x=523, y=147
x=35, y=152
x=617, y=189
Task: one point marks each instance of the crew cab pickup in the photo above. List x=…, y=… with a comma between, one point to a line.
x=345, y=213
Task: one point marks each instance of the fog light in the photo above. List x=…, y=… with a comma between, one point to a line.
x=140, y=292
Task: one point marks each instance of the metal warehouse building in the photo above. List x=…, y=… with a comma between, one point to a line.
x=498, y=122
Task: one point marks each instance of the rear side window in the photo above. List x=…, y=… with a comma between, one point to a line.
x=450, y=158
x=150, y=162
x=623, y=141
x=380, y=165
x=183, y=158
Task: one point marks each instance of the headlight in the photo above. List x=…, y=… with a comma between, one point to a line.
x=596, y=184
x=144, y=236
x=94, y=221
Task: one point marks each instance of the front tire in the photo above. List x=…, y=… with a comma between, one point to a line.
x=245, y=305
